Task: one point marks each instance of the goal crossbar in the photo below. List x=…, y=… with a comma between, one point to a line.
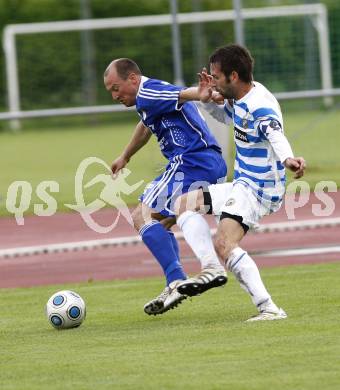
x=319, y=11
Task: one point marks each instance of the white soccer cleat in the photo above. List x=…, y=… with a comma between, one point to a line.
x=168, y=299
x=208, y=278
x=268, y=316
x=155, y=306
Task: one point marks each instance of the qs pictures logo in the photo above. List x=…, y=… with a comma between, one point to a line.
x=109, y=195
x=19, y=195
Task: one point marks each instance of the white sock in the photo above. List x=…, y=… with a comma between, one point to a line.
x=246, y=272
x=196, y=232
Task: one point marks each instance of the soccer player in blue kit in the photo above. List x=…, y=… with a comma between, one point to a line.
x=195, y=161
x=262, y=154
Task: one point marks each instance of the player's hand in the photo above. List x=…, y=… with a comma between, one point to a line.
x=118, y=164
x=217, y=98
x=204, y=86
x=296, y=165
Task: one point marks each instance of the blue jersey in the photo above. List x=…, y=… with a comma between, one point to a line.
x=179, y=128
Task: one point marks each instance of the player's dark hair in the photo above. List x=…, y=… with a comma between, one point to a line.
x=125, y=66
x=234, y=58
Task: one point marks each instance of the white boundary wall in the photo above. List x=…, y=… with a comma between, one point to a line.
x=318, y=11
x=134, y=240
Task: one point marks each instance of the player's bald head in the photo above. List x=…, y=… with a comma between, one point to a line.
x=123, y=68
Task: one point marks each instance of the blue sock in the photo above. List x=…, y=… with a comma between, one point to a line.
x=159, y=242
x=174, y=243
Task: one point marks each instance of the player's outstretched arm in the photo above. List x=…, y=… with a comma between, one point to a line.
x=272, y=129
x=139, y=138
x=202, y=92
x=296, y=165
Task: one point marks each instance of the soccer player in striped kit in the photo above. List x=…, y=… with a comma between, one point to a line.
x=262, y=154
x=195, y=161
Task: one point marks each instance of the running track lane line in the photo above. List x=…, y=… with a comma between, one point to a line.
x=276, y=253
x=299, y=251
x=133, y=240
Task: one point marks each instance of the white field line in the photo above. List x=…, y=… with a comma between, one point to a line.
x=299, y=251
x=133, y=240
x=272, y=253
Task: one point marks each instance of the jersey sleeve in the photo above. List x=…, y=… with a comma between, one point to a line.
x=217, y=111
x=228, y=108
x=271, y=129
x=159, y=98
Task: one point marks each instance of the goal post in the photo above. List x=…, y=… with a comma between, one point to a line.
x=318, y=12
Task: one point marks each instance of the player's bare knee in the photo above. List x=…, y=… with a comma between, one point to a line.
x=140, y=216
x=180, y=204
x=228, y=249
x=219, y=247
x=136, y=218
x=223, y=247
x=168, y=222
x=192, y=201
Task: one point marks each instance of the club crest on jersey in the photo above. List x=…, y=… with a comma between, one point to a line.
x=230, y=202
x=245, y=123
x=240, y=135
x=274, y=124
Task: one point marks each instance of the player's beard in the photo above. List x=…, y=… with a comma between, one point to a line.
x=227, y=93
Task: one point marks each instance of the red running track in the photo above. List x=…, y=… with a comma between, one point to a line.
x=135, y=261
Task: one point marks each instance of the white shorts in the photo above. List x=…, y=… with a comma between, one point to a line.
x=239, y=199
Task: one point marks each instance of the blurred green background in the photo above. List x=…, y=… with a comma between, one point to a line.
x=52, y=74
x=51, y=65
x=54, y=152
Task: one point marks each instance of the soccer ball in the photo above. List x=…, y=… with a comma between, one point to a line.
x=65, y=309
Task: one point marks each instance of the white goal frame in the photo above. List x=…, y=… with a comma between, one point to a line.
x=318, y=11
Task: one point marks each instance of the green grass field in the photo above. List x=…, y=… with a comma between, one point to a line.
x=55, y=152
x=314, y=134
x=203, y=344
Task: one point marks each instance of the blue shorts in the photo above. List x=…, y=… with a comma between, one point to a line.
x=184, y=173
